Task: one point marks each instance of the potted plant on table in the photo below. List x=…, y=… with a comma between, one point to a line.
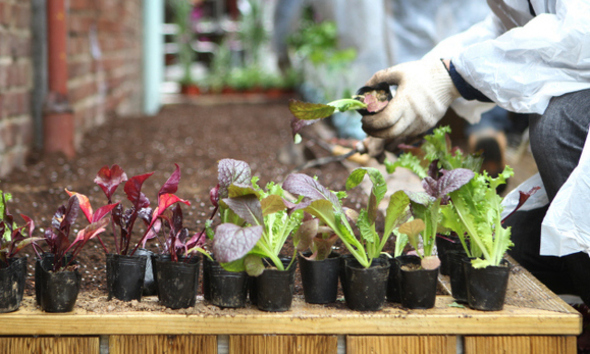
x=256, y=225
x=365, y=280
x=419, y=275
x=318, y=263
x=13, y=269
x=434, y=153
x=177, y=268
x=126, y=271
x=476, y=212
x=57, y=281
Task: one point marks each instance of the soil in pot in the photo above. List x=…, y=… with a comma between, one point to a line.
x=365, y=288
x=486, y=287
x=319, y=278
x=12, y=284
x=224, y=288
x=418, y=286
x=56, y=291
x=457, y=274
x=445, y=244
x=125, y=275
x=150, y=287
x=394, y=288
x=177, y=281
x=274, y=288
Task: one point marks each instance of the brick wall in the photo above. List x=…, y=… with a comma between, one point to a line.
x=104, y=60
x=104, y=64
x=16, y=125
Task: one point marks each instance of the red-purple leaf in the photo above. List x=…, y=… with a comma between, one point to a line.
x=214, y=195
x=84, y=204
x=102, y=212
x=524, y=196
x=302, y=184
x=232, y=171
x=171, y=185
x=247, y=207
x=232, y=242
x=70, y=214
x=298, y=124
x=133, y=190
x=453, y=180
x=91, y=231
x=165, y=201
x=109, y=179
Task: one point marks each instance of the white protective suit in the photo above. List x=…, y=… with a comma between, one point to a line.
x=520, y=61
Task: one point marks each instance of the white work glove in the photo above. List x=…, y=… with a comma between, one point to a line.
x=424, y=93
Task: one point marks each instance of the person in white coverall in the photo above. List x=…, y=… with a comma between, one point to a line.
x=527, y=56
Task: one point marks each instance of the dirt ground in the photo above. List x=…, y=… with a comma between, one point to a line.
x=193, y=136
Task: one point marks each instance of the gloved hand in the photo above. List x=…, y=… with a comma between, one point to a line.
x=424, y=93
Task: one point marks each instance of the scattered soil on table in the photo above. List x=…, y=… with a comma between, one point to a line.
x=195, y=137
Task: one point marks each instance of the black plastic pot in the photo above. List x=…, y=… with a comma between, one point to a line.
x=366, y=287
x=224, y=288
x=12, y=284
x=418, y=287
x=394, y=287
x=382, y=86
x=457, y=275
x=149, y=284
x=177, y=282
x=486, y=287
x=445, y=244
x=125, y=275
x=56, y=291
x=274, y=288
x=319, y=278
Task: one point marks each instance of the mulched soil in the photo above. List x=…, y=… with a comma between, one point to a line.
x=193, y=136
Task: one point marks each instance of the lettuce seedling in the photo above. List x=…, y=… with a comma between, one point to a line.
x=326, y=206
x=315, y=236
x=14, y=238
x=428, y=205
x=437, y=147
x=476, y=211
x=255, y=222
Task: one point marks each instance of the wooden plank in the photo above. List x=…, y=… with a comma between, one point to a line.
x=169, y=344
x=49, y=345
x=270, y=344
x=401, y=344
x=301, y=319
x=521, y=345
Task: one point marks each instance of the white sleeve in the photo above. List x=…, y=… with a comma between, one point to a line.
x=524, y=67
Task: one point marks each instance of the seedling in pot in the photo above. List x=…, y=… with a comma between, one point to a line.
x=255, y=222
x=476, y=211
x=12, y=237
x=57, y=237
x=368, y=100
x=326, y=206
x=315, y=236
x=108, y=179
x=427, y=206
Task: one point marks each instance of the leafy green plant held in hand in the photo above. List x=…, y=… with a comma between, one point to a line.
x=326, y=206
x=255, y=222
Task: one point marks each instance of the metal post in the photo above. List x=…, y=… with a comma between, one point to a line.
x=153, y=54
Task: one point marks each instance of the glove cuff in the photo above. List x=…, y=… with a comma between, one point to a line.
x=442, y=86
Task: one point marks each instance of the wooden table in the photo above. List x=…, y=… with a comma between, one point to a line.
x=534, y=320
